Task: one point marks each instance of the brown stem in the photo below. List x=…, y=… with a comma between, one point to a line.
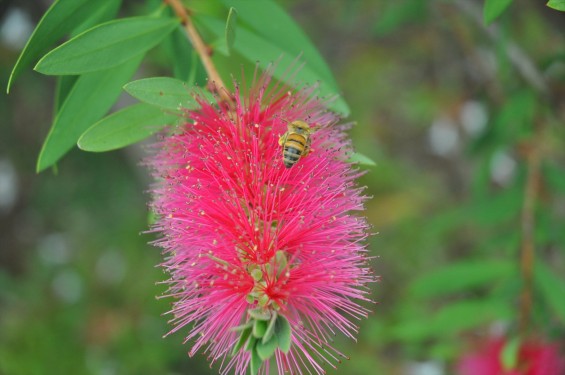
x=201, y=48
x=528, y=225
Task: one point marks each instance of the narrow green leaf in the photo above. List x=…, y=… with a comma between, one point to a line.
x=361, y=159
x=270, y=328
x=230, y=29
x=152, y=217
x=461, y=276
x=557, y=4
x=243, y=337
x=284, y=333
x=180, y=53
x=259, y=328
x=164, y=92
x=243, y=327
x=60, y=19
x=493, y=9
x=256, y=362
x=64, y=86
x=509, y=354
x=193, y=73
x=413, y=330
x=462, y=315
x=271, y=22
x=250, y=344
x=106, y=45
x=267, y=349
x=264, y=52
x=90, y=98
x=494, y=208
x=124, y=127
x=552, y=289
x=104, y=13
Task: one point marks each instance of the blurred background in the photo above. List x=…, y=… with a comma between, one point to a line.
x=449, y=109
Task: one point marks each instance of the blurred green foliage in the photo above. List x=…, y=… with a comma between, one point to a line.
x=448, y=108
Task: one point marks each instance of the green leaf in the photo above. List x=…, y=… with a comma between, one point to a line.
x=483, y=210
x=256, y=362
x=449, y=320
x=493, y=9
x=412, y=330
x=243, y=327
x=269, y=20
x=107, y=45
x=243, y=337
x=358, y=158
x=60, y=19
x=107, y=11
x=551, y=288
x=459, y=277
x=250, y=344
x=462, y=315
x=557, y=4
x=284, y=334
x=230, y=29
x=124, y=127
x=164, y=92
x=267, y=349
x=90, y=98
x=509, y=354
x=283, y=49
x=270, y=328
x=259, y=328
x=64, y=86
x=152, y=217
x=180, y=53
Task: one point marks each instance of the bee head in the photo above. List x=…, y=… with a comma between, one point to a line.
x=299, y=127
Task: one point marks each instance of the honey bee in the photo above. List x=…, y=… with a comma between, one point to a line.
x=296, y=142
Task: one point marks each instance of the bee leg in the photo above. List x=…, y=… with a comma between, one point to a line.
x=307, y=148
x=282, y=139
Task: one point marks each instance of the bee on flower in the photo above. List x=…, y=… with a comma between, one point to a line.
x=296, y=142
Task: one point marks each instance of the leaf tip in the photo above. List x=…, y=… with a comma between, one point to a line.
x=39, y=67
x=10, y=79
x=81, y=145
x=40, y=165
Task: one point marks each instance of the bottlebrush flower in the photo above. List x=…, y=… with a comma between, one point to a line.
x=529, y=358
x=266, y=262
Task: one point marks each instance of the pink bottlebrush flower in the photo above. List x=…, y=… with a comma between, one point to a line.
x=532, y=358
x=265, y=261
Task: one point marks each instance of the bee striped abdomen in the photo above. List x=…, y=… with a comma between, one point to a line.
x=293, y=149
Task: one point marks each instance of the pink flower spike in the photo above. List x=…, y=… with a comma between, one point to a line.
x=266, y=261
